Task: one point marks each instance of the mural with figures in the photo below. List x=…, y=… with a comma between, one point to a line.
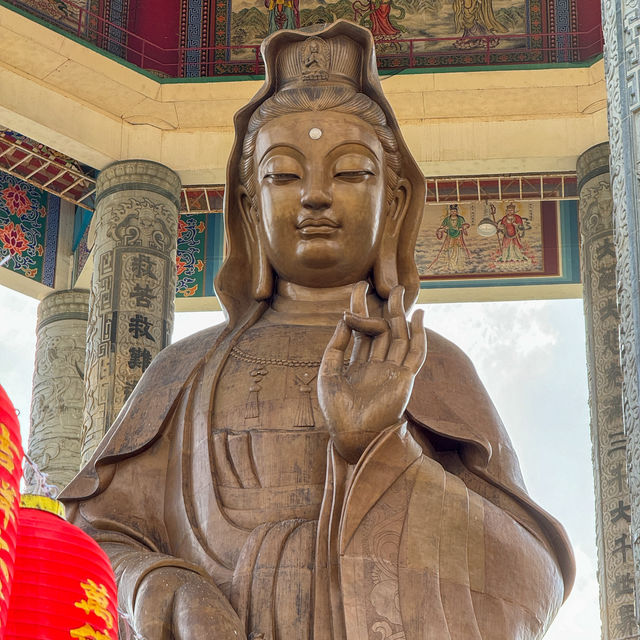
x=488, y=239
x=455, y=32
x=220, y=37
x=387, y=19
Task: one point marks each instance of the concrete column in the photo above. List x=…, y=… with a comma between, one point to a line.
x=132, y=288
x=621, y=28
x=57, y=400
x=613, y=516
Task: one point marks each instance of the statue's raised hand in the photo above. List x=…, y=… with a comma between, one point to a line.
x=176, y=604
x=371, y=393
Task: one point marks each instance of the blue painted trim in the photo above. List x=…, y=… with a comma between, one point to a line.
x=51, y=240
x=214, y=250
x=194, y=37
x=81, y=221
x=570, y=239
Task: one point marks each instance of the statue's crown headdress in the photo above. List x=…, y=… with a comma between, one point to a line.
x=332, y=61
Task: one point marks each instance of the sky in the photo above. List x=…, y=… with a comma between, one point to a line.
x=530, y=356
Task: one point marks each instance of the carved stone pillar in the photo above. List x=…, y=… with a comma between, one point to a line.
x=132, y=288
x=615, y=562
x=621, y=28
x=56, y=404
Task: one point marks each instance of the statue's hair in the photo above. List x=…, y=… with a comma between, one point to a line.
x=330, y=98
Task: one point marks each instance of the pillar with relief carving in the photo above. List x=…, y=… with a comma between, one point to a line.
x=133, y=286
x=598, y=262
x=57, y=398
x=621, y=29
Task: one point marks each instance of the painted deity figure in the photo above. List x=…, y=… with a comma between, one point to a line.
x=478, y=23
x=283, y=14
x=377, y=16
x=512, y=228
x=298, y=472
x=453, y=229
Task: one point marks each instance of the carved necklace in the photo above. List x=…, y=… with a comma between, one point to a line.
x=304, y=412
x=276, y=362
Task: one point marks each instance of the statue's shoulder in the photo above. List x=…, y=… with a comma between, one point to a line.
x=446, y=360
x=143, y=418
x=450, y=399
x=159, y=388
x=178, y=359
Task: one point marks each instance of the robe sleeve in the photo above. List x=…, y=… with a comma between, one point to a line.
x=449, y=400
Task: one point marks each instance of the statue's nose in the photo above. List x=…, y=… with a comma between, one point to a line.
x=316, y=194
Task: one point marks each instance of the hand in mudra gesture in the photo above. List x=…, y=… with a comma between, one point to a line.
x=371, y=393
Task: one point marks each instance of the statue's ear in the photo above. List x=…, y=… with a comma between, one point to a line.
x=261, y=271
x=385, y=269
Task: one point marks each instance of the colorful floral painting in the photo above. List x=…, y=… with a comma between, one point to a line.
x=191, y=254
x=200, y=249
x=28, y=229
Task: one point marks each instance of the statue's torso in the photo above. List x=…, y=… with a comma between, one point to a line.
x=269, y=435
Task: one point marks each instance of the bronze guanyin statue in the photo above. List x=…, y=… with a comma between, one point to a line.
x=296, y=472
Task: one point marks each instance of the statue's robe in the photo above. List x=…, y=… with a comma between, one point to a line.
x=430, y=535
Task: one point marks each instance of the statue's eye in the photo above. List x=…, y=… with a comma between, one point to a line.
x=281, y=178
x=353, y=176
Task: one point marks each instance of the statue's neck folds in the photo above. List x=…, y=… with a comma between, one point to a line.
x=296, y=304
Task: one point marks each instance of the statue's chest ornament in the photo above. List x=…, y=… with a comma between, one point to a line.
x=304, y=413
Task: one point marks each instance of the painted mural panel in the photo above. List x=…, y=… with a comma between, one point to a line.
x=28, y=229
x=408, y=33
x=60, y=12
x=200, y=240
x=388, y=19
x=499, y=239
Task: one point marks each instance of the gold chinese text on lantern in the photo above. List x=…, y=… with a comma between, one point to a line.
x=96, y=602
x=7, y=500
x=8, y=450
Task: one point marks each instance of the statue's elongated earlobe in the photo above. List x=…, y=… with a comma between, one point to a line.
x=261, y=271
x=385, y=268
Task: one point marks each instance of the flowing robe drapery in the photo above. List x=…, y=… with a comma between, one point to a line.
x=430, y=535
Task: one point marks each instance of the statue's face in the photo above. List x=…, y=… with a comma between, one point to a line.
x=320, y=197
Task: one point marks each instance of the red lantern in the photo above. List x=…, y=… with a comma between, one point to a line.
x=63, y=586
x=11, y=455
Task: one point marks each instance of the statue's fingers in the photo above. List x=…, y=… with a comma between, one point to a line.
x=358, y=308
x=358, y=304
x=363, y=324
x=380, y=347
x=364, y=329
x=399, y=330
x=333, y=358
x=361, y=346
x=418, y=343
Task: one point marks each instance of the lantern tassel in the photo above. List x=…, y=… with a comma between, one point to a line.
x=41, y=480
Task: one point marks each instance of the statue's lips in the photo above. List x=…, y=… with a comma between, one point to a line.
x=317, y=226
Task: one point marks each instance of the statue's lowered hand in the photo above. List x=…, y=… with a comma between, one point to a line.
x=173, y=603
x=371, y=393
